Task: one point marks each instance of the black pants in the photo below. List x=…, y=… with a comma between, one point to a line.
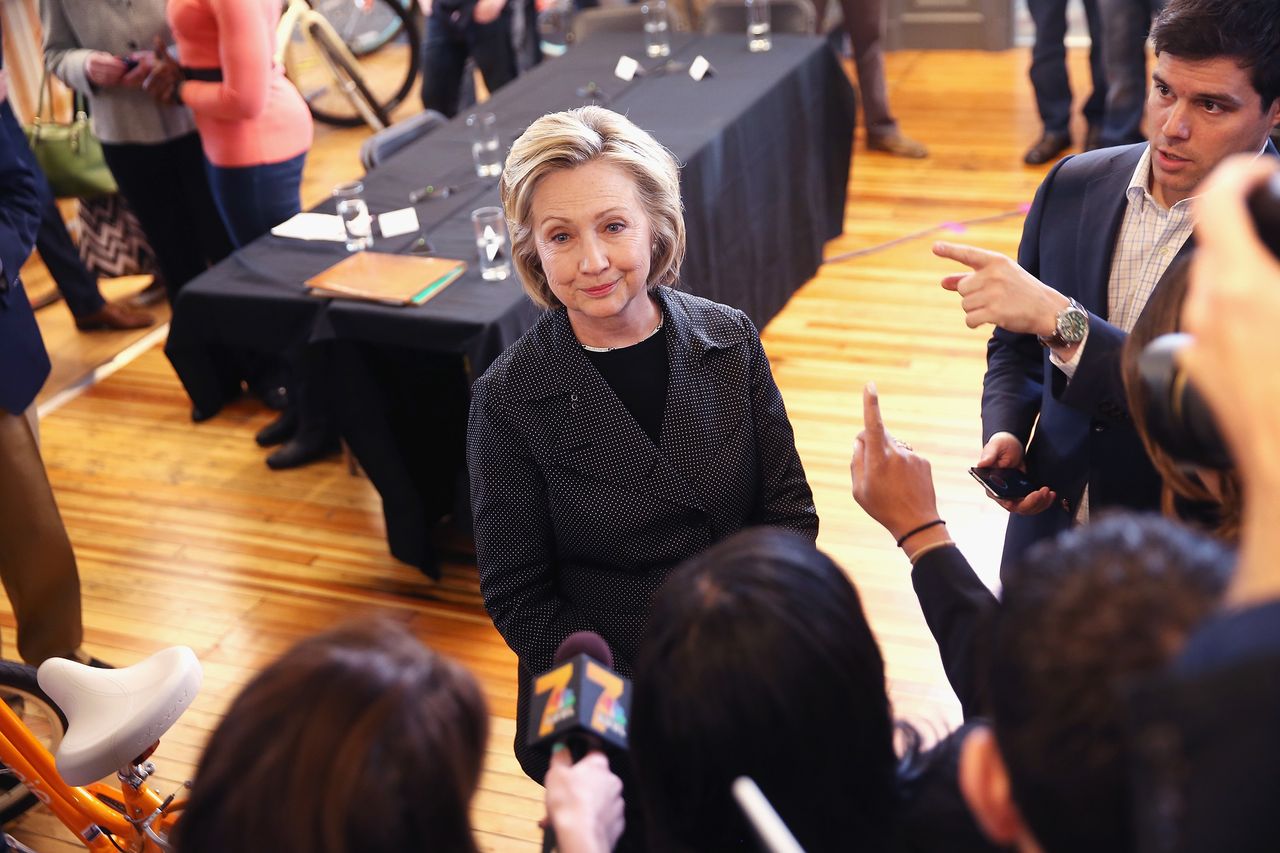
x=452, y=36
x=1049, y=65
x=166, y=186
x=78, y=285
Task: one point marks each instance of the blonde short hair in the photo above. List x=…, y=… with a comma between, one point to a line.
x=573, y=138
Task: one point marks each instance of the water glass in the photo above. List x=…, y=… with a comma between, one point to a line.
x=759, y=36
x=554, y=23
x=484, y=144
x=354, y=213
x=491, y=243
x=657, y=31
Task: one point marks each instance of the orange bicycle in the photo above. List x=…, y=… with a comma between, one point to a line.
x=66, y=726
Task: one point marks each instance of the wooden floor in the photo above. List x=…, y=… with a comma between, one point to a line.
x=184, y=536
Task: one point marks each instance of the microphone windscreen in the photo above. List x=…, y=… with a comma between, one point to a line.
x=587, y=643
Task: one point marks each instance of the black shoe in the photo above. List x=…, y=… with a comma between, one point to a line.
x=1093, y=138
x=302, y=450
x=280, y=430
x=1048, y=148
x=199, y=415
x=274, y=397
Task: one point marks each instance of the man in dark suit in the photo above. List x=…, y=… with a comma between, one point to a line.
x=37, y=566
x=1104, y=228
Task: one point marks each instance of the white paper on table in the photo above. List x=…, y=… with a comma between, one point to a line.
x=312, y=226
x=626, y=68
x=397, y=222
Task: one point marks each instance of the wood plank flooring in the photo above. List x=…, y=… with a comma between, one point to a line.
x=184, y=536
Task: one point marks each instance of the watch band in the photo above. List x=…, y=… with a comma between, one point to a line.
x=1056, y=339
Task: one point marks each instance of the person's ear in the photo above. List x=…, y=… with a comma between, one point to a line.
x=984, y=782
x=1273, y=113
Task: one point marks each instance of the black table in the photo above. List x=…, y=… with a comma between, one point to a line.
x=765, y=147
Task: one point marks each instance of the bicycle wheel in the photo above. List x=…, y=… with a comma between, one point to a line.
x=335, y=84
x=20, y=691
x=364, y=31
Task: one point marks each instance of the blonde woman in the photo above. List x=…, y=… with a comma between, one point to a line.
x=634, y=425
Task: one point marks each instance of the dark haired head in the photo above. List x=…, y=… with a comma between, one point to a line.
x=1162, y=315
x=358, y=739
x=1080, y=617
x=758, y=661
x=1248, y=31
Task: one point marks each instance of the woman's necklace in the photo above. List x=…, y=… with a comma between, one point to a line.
x=655, y=331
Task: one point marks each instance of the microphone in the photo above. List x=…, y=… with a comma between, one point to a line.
x=581, y=701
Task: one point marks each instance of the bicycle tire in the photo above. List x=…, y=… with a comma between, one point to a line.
x=368, y=111
x=395, y=75
x=42, y=716
x=363, y=32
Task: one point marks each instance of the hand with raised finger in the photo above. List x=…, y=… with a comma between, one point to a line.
x=1004, y=450
x=996, y=290
x=891, y=481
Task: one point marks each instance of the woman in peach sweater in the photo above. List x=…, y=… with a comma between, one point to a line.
x=254, y=125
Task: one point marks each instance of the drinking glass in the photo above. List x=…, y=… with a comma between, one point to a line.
x=491, y=243
x=759, y=36
x=484, y=144
x=657, y=32
x=354, y=213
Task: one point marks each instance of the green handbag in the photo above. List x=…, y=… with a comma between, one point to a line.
x=69, y=154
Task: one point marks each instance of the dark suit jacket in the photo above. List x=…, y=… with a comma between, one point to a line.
x=579, y=517
x=1084, y=434
x=1206, y=740
x=24, y=364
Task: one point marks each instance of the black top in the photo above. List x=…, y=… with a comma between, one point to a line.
x=638, y=375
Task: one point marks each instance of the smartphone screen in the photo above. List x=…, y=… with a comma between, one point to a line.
x=1006, y=484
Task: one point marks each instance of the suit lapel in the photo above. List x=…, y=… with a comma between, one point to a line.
x=595, y=435
x=1105, y=200
x=702, y=411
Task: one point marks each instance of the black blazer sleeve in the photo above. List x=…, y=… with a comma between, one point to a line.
x=515, y=542
x=783, y=495
x=19, y=204
x=955, y=602
x=1097, y=388
x=1014, y=383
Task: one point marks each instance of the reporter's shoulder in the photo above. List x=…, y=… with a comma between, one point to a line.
x=1089, y=164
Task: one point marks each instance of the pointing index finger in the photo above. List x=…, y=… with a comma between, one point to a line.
x=872, y=422
x=970, y=256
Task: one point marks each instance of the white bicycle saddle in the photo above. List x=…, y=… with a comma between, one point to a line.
x=113, y=715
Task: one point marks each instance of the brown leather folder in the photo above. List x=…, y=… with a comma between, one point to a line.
x=390, y=279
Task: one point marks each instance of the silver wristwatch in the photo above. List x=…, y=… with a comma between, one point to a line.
x=1072, y=326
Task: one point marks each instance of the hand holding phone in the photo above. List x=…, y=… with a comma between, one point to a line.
x=1004, y=484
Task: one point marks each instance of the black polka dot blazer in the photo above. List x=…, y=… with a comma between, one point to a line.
x=579, y=516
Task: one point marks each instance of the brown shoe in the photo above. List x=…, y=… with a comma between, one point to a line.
x=1047, y=148
x=897, y=145
x=114, y=316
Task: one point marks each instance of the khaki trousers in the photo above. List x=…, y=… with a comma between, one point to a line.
x=37, y=565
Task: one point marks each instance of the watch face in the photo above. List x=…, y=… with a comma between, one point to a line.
x=1072, y=325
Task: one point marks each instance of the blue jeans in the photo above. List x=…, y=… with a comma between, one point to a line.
x=452, y=36
x=254, y=199
x=1128, y=23
x=1049, y=65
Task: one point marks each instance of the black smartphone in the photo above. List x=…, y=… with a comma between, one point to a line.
x=1006, y=484
x=130, y=63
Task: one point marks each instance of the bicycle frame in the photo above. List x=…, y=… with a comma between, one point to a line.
x=79, y=809
x=299, y=15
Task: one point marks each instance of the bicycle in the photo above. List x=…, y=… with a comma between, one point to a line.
x=364, y=27
x=351, y=76
x=98, y=721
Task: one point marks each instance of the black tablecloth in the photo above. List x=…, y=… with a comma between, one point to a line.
x=765, y=146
